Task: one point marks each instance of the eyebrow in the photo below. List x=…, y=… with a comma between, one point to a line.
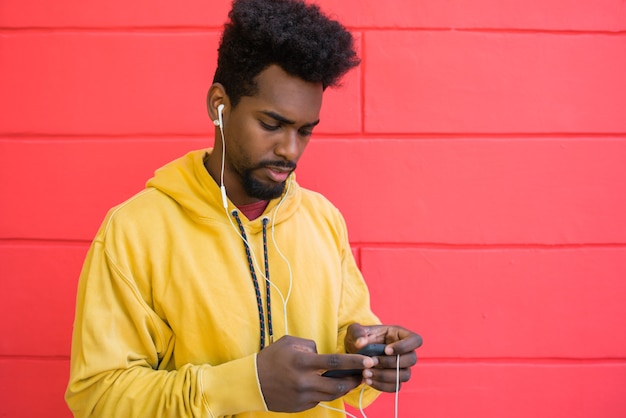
x=286, y=121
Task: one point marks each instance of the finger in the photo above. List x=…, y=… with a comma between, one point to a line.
x=324, y=389
x=386, y=380
x=404, y=343
x=360, y=335
x=391, y=362
x=337, y=361
x=357, y=337
x=332, y=388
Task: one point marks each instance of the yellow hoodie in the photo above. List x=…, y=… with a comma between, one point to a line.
x=167, y=323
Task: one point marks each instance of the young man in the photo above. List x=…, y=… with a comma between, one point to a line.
x=225, y=289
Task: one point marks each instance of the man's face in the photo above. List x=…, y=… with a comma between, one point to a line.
x=267, y=133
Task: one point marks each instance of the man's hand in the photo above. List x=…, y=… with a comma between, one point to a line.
x=290, y=374
x=400, y=341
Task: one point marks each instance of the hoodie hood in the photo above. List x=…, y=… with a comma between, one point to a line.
x=186, y=181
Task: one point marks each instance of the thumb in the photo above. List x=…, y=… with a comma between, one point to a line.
x=357, y=337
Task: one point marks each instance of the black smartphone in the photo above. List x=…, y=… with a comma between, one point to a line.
x=369, y=350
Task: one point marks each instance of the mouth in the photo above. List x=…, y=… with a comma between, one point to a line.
x=278, y=174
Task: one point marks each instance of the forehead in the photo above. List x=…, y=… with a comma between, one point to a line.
x=287, y=95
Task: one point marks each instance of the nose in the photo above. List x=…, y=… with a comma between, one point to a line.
x=288, y=147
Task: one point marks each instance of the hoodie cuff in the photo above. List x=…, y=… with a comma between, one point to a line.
x=232, y=388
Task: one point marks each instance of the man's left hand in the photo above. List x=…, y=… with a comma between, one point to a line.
x=399, y=341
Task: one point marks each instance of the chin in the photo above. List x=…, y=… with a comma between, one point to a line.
x=264, y=191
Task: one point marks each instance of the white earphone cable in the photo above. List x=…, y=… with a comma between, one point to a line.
x=285, y=299
x=363, y=391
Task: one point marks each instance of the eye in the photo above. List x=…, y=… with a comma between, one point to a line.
x=305, y=132
x=269, y=127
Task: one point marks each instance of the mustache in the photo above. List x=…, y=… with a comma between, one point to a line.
x=280, y=163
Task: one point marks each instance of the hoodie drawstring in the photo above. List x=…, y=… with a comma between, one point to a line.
x=255, y=281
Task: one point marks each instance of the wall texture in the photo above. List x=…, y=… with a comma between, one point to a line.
x=478, y=154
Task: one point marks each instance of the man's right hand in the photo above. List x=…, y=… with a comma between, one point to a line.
x=290, y=371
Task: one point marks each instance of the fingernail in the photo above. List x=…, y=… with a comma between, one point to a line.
x=368, y=373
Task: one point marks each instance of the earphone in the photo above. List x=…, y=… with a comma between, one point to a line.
x=219, y=122
x=220, y=111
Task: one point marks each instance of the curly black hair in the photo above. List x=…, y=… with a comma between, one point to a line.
x=290, y=33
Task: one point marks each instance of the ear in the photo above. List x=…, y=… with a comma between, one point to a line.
x=215, y=97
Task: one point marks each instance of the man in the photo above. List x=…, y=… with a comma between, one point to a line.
x=225, y=289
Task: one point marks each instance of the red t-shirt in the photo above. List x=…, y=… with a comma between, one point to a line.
x=253, y=210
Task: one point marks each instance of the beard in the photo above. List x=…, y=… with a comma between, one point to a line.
x=258, y=189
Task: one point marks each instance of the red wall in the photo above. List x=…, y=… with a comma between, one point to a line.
x=478, y=154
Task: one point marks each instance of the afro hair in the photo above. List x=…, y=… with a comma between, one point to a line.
x=294, y=35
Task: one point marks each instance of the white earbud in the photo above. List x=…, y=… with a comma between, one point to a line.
x=220, y=116
x=220, y=122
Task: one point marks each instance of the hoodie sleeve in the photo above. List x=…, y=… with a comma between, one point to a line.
x=122, y=357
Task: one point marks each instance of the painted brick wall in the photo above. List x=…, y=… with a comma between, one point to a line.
x=478, y=154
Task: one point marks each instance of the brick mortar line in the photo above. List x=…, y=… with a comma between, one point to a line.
x=487, y=247
x=219, y=28
x=539, y=361
x=34, y=357
x=523, y=360
x=83, y=137
x=8, y=242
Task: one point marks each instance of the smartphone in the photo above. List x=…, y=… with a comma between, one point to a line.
x=370, y=350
